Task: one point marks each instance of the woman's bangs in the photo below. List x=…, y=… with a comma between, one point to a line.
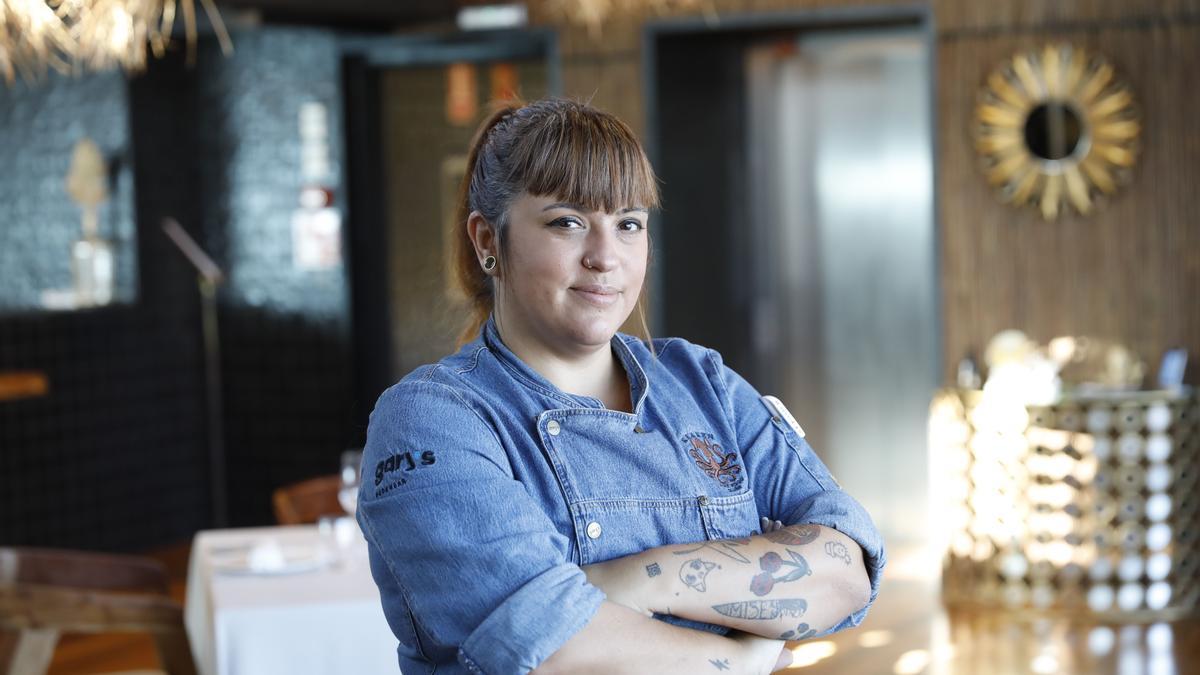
x=593, y=163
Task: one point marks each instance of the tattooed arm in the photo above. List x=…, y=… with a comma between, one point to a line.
x=787, y=584
x=618, y=640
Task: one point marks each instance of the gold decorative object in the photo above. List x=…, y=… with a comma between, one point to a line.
x=1088, y=507
x=73, y=35
x=1056, y=127
x=92, y=264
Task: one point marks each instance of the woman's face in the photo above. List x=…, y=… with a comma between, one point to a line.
x=570, y=277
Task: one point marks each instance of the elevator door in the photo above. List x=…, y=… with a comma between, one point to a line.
x=842, y=229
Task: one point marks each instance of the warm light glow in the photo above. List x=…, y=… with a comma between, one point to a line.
x=911, y=662
x=811, y=652
x=594, y=14
x=1052, y=439
x=875, y=638
x=1044, y=664
x=1057, y=494
x=1100, y=640
x=1159, y=637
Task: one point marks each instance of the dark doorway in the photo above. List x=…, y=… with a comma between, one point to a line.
x=412, y=106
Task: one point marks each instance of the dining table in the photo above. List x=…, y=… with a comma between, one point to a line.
x=295, y=599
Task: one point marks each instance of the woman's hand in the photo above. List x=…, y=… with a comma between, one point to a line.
x=768, y=655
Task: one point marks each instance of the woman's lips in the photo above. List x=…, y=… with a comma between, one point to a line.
x=601, y=296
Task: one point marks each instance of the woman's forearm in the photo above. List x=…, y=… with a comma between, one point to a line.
x=787, y=584
x=619, y=640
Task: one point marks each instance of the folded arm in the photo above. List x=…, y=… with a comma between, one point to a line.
x=619, y=640
x=481, y=574
x=789, y=584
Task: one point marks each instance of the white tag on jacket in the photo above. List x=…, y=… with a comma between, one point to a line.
x=781, y=410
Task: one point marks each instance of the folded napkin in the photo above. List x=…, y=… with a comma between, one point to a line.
x=266, y=556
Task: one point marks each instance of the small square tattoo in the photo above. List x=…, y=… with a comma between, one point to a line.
x=653, y=569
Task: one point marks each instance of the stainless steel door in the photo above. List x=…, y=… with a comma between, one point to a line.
x=841, y=192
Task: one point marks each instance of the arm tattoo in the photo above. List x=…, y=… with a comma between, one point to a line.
x=694, y=572
x=723, y=664
x=725, y=547
x=653, y=570
x=802, y=632
x=836, y=549
x=764, y=610
x=772, y=562
x=794, y=535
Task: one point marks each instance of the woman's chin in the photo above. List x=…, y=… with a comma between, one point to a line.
x=595, y=332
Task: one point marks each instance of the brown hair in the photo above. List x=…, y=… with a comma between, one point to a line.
x=552, y=147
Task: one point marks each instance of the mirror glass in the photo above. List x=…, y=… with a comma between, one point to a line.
x=1053, y=130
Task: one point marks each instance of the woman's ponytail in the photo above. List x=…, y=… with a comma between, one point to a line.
x=471, y=281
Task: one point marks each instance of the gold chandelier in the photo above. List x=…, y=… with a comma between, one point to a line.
x=71, y=36
x=595, y=13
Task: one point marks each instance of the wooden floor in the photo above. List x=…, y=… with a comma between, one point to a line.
x=906, y=633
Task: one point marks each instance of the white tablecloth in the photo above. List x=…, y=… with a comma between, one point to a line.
x=323, y=621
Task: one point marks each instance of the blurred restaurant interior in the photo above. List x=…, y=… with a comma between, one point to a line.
x=952, y=235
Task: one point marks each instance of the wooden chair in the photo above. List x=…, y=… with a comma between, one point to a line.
x=307, y=501
x=46, y=592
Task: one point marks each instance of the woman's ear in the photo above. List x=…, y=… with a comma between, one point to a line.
x=482, y=235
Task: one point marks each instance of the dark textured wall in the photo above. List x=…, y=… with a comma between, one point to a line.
x=40, y=124
x=115, y=457
x=284, y=332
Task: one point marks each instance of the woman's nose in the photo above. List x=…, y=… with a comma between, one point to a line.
x=601, y=252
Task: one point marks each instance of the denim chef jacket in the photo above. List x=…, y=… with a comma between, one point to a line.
x=485, y=487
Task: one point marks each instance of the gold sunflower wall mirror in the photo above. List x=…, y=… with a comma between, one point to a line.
x=1056, y=129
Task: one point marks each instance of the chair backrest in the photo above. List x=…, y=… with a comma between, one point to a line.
x=308, y=500
x=45, y=592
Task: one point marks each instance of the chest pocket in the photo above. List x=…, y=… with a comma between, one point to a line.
x=628, y=491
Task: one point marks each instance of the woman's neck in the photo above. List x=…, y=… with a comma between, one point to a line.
x=598, y=374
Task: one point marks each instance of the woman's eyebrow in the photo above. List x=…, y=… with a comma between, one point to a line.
x=579, y=208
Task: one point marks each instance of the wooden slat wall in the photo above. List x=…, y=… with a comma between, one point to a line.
x=1129, y=272
x=955, y=15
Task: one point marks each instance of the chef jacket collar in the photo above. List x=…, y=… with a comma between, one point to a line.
x=636, y=375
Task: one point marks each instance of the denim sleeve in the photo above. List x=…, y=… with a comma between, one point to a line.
x=475, y=559
x=790, y=483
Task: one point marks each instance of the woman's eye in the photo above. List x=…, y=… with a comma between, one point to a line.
x=632, y=226
x=566, y=223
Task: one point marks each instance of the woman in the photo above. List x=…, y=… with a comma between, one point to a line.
x=562, y=497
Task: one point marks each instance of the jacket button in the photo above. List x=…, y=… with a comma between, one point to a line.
x=639, y=430
x=553, y=427
x=594, y=530
x=703, y=500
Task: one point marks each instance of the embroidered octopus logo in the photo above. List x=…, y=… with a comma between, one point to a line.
x=713, y=460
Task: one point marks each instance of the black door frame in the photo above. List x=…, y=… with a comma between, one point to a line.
x=363, y=60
